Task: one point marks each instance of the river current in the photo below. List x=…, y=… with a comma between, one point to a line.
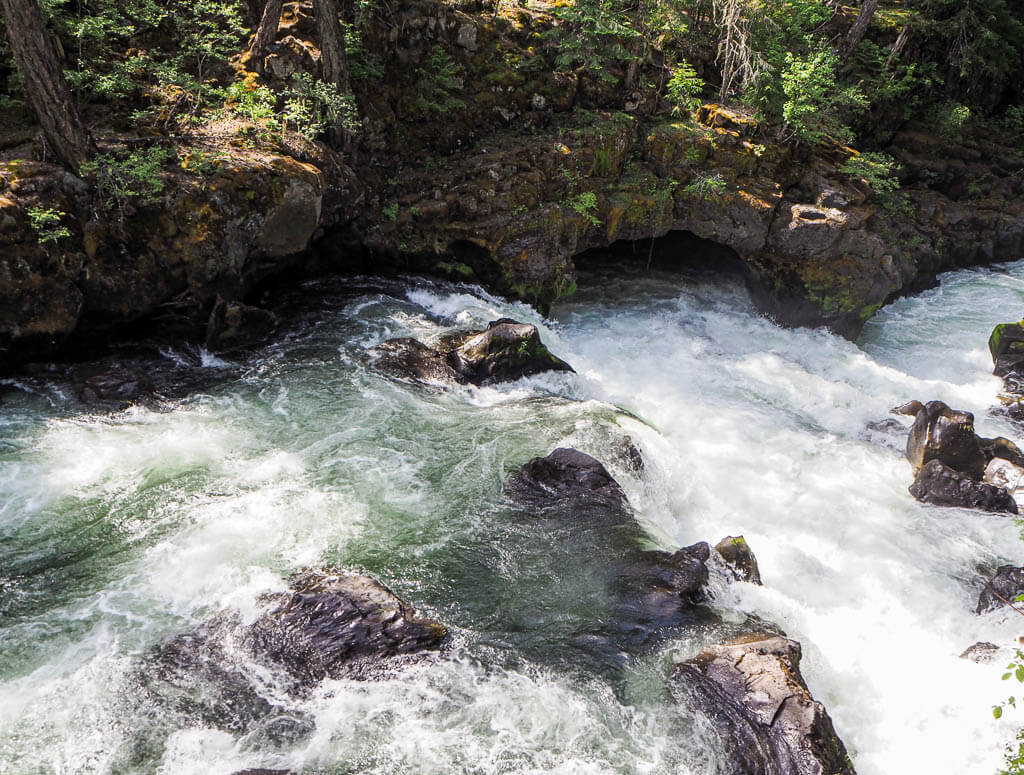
x=121, y=529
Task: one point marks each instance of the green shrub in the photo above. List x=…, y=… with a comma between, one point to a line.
x=46, y=222
x=684, y=88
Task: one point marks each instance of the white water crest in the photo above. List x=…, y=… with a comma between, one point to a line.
x=120, y=530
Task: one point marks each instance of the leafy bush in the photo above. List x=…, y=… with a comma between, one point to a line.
x=591, y=36
x=706, y=186
x=437, y=80
x=814, y=102
x=46, y=222
x=122, y=178
x=684, y=88
x=585, y=203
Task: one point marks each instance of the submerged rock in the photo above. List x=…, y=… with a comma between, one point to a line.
x=739, y=559
x=504, y=352
x=565, y=473
x=108, y=381
x=947, y=435
x=1007, y=583
x=752, y=691
x=940, y=485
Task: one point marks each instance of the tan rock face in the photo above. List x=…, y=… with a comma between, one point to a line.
x=752, y=690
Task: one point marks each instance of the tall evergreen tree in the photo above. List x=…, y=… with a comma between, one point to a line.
x=45, y=86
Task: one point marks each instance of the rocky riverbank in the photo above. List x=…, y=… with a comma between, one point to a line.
x=506, y=186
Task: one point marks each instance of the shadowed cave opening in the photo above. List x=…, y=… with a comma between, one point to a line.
x=675, y=251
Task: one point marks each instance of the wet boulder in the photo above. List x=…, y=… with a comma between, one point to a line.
x=1003, y=449
x=1006, y=345
x=411, y=359
x=504, y=352
x=1006, y=584
x=940, y=485
x=947, y=435
x=910, y=409
x=752, y=691
x=564, y=474
x=739, y=559
x=332, y=626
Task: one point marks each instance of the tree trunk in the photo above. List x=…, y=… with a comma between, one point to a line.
x=45, y=86
x=860, y=26
x=332, y=43
x=266, y=33
x=253, y=12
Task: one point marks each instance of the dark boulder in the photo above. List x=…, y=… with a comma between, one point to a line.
x=1006, y=345
x=940, y=485
x=981, y=652
x=110, y=382
x=339, y=626
x=411, y=359
x=947, y=435
x=233, y=325
x=739, y=559
x=504, y=352
x=325, y=626
x=1007, y=584
x=1002, y=448
x=911, y=408
x=564, y=474
x=751, y=690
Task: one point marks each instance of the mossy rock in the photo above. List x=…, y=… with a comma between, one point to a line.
x=1006, y=344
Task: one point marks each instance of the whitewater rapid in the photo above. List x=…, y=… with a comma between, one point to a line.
x=119, y=530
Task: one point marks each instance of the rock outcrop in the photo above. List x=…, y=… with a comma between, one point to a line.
x=939, y=485
x=1006, y=345
x=1007, y=583
x=325, y=626
x=564, y=474
x=752, y=691
x=503, y=352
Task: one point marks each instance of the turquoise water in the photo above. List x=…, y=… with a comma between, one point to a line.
x=119, y=530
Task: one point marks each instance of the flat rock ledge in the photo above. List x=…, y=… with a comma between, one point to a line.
x=751, y=689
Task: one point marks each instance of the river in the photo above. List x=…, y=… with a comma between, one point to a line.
x=121, y=529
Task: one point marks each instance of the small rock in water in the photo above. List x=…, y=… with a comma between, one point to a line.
x=911, y=408
x=940, y=485
x=631, y=454
x=739, y=559
x=109, y=382
x=1006, y=345
x=947, y=435
x=1007, y=584
x=981, y=652
x=752, y=691
x=565, y=473
x=504, y=352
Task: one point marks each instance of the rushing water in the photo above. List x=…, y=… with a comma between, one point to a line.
x=119, y=530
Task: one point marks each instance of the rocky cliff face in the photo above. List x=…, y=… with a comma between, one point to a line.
x=479, y=162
